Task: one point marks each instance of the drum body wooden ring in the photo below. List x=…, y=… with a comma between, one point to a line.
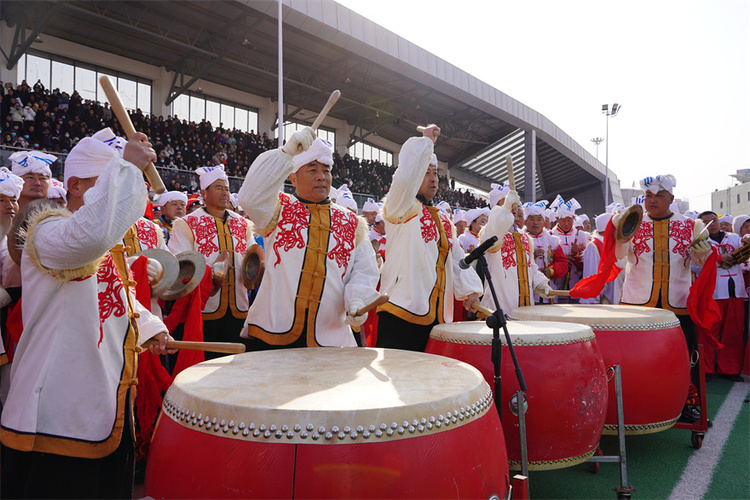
x=649, y=346
x=328, y=423
x=565, y=375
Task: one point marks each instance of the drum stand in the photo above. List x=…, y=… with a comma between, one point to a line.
x=698, y=428
x=496, y=321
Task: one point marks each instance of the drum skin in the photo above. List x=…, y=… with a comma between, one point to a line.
x=463, y=459
x=650, y=348
x=565, y=376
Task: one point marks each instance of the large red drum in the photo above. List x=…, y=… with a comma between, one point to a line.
x=565, y=375
x=328, y=423
x=650, y=348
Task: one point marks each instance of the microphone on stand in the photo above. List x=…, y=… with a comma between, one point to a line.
x=476, y=253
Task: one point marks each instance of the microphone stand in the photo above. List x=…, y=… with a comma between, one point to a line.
x=497, y=321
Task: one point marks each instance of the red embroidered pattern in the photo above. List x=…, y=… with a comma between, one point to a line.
x=204, y=230
x=448, y=229
x=508, y=251
x=146, y=234
x=110, y=289
x=343, y=229
x=527, y=249
x=642, y=236
x=681, y=233
x=429, y=229
x=238, y=228
x=293, y=220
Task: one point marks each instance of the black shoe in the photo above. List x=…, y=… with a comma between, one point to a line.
x=689, y=415
x=709, y=424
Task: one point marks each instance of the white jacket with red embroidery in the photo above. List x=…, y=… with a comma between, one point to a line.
x=421, y=276
x=573, y=242
x=76, y=358
x=729, y=244
x=646, y=283
x=319, y=261
x=202, y=232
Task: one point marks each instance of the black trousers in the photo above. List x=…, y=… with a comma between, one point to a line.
x=397, y=333
x=31, y=474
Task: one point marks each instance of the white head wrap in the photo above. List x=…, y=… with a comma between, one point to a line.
x=370, y=206
x=89, y=158
x=378, y=218
x=615, y=207
x=320, y=150
x=475, y=213
x=110, y=139
x=345, y=199
x=333, y=194
x=168, y=196
x=584, y=217
x=537, y=208
x=568, y=209
x=10, y=184
x=459, y=215
x=692, y=214
x=551, y=214
x=234, y=199
x=656, y=184
x=557, y=202
x=578, y=222
x=444, y=206
x=726, y=218
x=433, y=160
x=738, y=222
x=498, y=193
x=602, y=221
x=209, y=175
x=31, y=162
x=56, y=190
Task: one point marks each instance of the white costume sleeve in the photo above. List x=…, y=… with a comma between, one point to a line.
x=259, y=193
x=465, y=281
x=591, y=260
x=114, y=204
x=498, y=223
x=361, y=287
x=182, y=238
x=148, y=324
x=413, y=160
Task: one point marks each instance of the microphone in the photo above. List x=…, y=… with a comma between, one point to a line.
x=476, y=253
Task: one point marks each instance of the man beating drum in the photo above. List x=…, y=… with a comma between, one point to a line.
x=320, y=265
x=658, y=268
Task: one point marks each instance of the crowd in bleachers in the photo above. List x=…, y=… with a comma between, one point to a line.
x=54, y=121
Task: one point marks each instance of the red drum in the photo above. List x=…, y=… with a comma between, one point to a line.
x=649, y=346
x=567, y=386
x=328, y=423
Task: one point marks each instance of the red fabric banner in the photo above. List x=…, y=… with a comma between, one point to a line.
x=593, y=285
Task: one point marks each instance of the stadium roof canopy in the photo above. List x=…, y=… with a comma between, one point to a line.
x=389, y=85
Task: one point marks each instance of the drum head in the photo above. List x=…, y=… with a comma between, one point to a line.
x=600, y=316
x=328, y=395
x=526, y=333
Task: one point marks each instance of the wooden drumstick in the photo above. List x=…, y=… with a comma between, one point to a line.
x=127, y=125
x=481, y=309
x=223, y=347
x=560, y=293
x=375, y=303
x=421, y=129
x=511, y=179
x=323, y=112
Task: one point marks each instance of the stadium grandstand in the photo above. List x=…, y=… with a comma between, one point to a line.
x=201, y=80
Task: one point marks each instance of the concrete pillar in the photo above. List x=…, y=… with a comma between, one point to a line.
x=529, y=167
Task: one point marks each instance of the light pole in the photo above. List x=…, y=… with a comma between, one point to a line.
x=613, y=112
x=597, y=141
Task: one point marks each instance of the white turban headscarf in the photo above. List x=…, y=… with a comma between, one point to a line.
x=56, y=190
x=656, y=184
x=209, y=175
x=89, y=158
x=498, y=193
x=11, y=185
x=320, y=151
x=110, y=139
x=31, y=162
x=172, y=196
x=538, y=208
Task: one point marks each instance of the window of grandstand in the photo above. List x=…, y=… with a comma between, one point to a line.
x=365, y=151
x=67, y=75
x=292, y=127
x=195, y=107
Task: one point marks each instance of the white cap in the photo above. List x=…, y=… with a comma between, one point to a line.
x=692, y=214
x=346, y=200
x=168, y=196
x=444, y=206
x=31, y=162
x=433, y=160
x=110, y=139
x=10, y=184
x=738, y=222
x=459, y=216
x=475, y=213
x=584, y=217
x=498, y=193
x=320, y=151
x=56, y=190
x=234, y=199
x=209, y=175
x=89, y=158
x=370, y=206
x=656, y=184
x=537, y=208
x=602, y=221
x=726, y=218
x=578, y=222
x=568, y=209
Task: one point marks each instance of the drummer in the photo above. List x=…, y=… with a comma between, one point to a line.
x=424, y=277
x=512, y=267
x=573, y=242
x=664, y=237
x=320, y=265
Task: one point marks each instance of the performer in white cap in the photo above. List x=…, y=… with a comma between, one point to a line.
x=173, y=206
x=730, y=294
x=573, y=242
x=370, y=211
x=515, y=274
x=378, y=238
x=658, y=261
x=725, y=223
x=57, y=192
x=70, y=396
x=320, y=265
x=34, y=168
x=345, y=199
x=459, y=220
x=211, y=231
x=424, y=277
x=476, y=218
x=548, y=253
x=10, y=189
x=592, y=255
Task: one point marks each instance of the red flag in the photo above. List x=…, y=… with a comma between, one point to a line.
x=701, y=305
x=14, y=326
x=593, y=285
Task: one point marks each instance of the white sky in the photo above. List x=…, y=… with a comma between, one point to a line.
x=680, y=69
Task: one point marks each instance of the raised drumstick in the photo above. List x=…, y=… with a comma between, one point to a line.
x=421, y=129
x=323, y=112
x=372, y=305
x=127, y=125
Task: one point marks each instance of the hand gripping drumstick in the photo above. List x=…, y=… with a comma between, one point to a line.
x=224, y=347
x=511, y=178
x=372, y=305
x=421, y=129
x=127, y=125
x=481, y=309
